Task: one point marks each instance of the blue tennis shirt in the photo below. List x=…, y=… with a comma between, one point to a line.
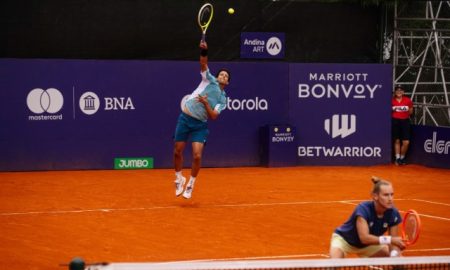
x=216, y=97
x=377, y=226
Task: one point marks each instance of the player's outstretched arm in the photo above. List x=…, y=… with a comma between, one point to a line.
x=203, y=56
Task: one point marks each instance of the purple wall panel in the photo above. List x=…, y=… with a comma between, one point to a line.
x=342, y=113
x=138, y=104
x=430, y=146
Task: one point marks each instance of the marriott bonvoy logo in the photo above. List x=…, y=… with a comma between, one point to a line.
x=336, y=85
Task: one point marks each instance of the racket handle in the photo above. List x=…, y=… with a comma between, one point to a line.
x=203, y=37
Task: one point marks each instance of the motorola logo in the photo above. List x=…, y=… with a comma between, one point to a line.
x=273, y=46
x=340, y=125
x=40, y=101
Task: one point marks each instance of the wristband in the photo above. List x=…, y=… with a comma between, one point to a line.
x=384, y=240
x=204, y=52
x=394, y=253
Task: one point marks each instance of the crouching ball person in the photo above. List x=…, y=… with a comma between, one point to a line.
x=364, y=233
x=206, y=102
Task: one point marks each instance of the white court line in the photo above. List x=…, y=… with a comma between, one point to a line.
x=167, y=207
x=56, y=212
x=255, y=258
x=419, y=200
x=427, y=249
x=289, y=256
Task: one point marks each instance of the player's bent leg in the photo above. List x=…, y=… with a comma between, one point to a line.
x=336, y=253
x=178, y=155
x=339, y=247
x=383, y=251
x=178, y=166
x=197, y=150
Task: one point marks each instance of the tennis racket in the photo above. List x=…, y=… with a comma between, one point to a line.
x=411, y=227
x=205, y=15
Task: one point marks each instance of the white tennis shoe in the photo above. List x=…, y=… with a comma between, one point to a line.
x=179, y=185
x=187, y=194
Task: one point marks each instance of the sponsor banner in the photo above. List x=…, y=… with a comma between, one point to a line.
x=278, y=145
x=430, y=146
x=262, y=45
x=133, y=163
x=81, y=114
x=342, y=112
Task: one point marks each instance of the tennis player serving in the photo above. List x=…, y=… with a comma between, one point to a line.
x=363, y=233
x=206, y=102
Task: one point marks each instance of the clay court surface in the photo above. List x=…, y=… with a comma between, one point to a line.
x=47, y=218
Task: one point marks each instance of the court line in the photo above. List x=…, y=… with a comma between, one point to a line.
x=165, y=207
x=106, y=210
x=426, y=201
x=427, y=249
x=255, y=258
x=321, y=255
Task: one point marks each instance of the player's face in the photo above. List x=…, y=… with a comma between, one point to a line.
x=385, y=197
x=223, y=78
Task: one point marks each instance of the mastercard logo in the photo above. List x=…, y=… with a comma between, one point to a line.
x=40, y=100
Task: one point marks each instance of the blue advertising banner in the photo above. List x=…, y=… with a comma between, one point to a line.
x=430, y=146
x=91, y=114
x=342, y=113
x=262, y=45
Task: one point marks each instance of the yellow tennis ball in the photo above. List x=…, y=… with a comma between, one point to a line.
x=230, y=10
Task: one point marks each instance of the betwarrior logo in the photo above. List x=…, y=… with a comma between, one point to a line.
x=133, y=163
x=340, y=125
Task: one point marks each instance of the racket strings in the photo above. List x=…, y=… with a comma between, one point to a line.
x=411, y=228
x=205, y=15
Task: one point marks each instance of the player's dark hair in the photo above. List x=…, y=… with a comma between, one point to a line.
x=227, y=71
x=377, y=183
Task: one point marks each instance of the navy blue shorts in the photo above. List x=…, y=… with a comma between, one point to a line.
x=190, y=126
x=401, y=129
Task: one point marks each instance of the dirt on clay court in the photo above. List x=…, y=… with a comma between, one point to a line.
x=48, y=218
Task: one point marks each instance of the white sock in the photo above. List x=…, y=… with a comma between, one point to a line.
x=397, y=156
x=402, y=157
x=191, y=181
x=178, y=174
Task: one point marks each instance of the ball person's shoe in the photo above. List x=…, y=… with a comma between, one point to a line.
x=402, y=161
x=187, y=194
x=179, y=185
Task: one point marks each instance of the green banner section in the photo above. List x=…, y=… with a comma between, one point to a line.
x=133, y=163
